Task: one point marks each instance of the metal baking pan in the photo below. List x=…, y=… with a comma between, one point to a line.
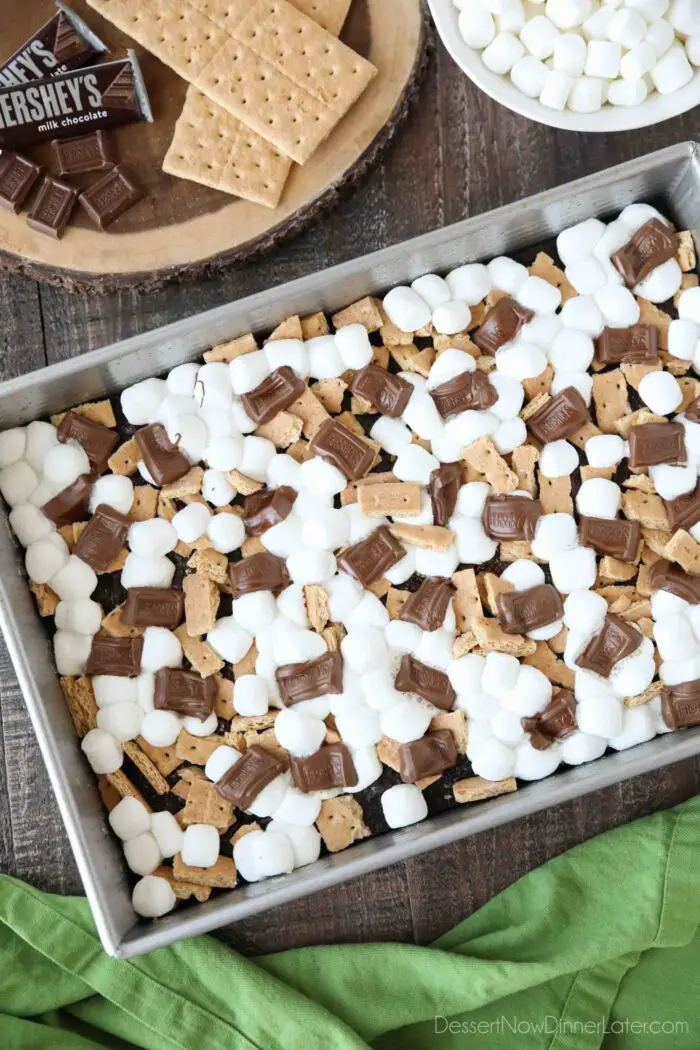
x=670, y=178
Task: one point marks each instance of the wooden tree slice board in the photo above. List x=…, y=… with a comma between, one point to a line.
x=182, y=229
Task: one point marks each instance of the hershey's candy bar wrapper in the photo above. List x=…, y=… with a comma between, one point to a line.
x=64, y=42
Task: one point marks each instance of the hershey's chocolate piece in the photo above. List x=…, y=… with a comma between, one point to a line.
x=684, y=511
x=109, y=198
x=613, y=643
x=345, y=450
x=273, y=395
x=305, y=681
x=692, y=412
x=367, y=560
x=427, y=606
x=52, y=207
x=17, y=176
x=58, y=106
x=116, y=656
x=467, y=390
x=651, y=246
x=64, y=42
x=560, y=417
x=557, y=721
x=680, y=705
x=97, y=440
x=164, y=461
x=523, y=611
x=253, y=771
x=85, y=153
x=388, y=393
x=428, y=757
x=425, y=681
x=259, y=572
x=664, y=576
x=71, y=504
x=262, y=510
x=501, y=324
x=654, y=443
x=185, y=692
x=616, y=346
x=443, y=486
x=613, y=536
x=511, y=517
x=153, y=607
x=120, y=93
x=102, y=538
x=330, y=767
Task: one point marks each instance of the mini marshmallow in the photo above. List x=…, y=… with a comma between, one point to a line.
x=662, y=283
x=71, y=652
x=190, y=434
x=448, y=365
x=353, y=345
x=585, y=611
x=220, y=761
x=507, y=728
x=224, y=453
x=359, y=726
x=672, y=72
x=268, y=800
x=581, y=381
x=671, y=482
x=404, y=637
x=289, y=352
x=145, y=690
x=586, y=96
x=435, y=648
x=298, y=809
x=500, y=673
x=174, y=406
x=521, y=361
x=370, y=613
x=600, y=716
x=437, y=563
x=531, y=764
x=225, y=532
x=113, y=689
x=214, y=383
x=523, y=574
x=283, y=470
x=80, y=615
x=422, y=416
x=582, y=313
x=683, y=339
x=637, y=727
x=537, y=294
x=558, y=459
x=391, y=434
x=257, y=454
x=327, y=530
x=228, y=640
x=254, y=611
x=538, y=35
x=556, y=89
x=403, y=804
x=529, y=75
x=114, y=490
x=586, y=274
x=122, y=720
x=509, y=436
x=271, y=854
x=325, y=361
x=12, y=445
x=494, y=760
x=216, y=489
x=605, y=450
x=44, y=558
x=364, y=649
x=182, y=379
x=573, y=570
x=161, y=648
x=477, y=28
x=578, y=748
x=29, y=524
x=18, y=482
x=503, y=52
x=284, y=538
x=618, y=306
x=627, y=92
x=293, y=645
x=74, y=581
x=102, y=751
x=510, y=396
x=405, y=721
x=129, y=818
x=167, y=833
x=200, y=727
x=466, y=672
x=474, y=547
x=142, y=854
x=160, y=728
x=435, y=290
x=680, y=671
x=299, y=733
x=469, y=426
x=146, y=572
x=470, y=283
x=660, y=392
x=603, y=59
x=321, y=477
x=530, y=694
x=598, y=498
x=554, y=533
x=244, y=854
x=689, y=305
x=571, y=351
x=311, y=566
x=152, y=539
x=504, y=273
x=542, y=330
x=140, y=403
x=406, y=309
x=675, y=639
x=248, y=371
x=451, y=318
x=663, y=603
x=413, y=463
x=200, y=846
x=569, y=54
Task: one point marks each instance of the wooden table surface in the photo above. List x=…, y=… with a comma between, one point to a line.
x=459, y=154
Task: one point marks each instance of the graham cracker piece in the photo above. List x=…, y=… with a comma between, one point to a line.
x=614, y=570
x=558, y=643
x=125, y=459
x=484, y=457
x=202, y=598
x=282, y=430
x=330, y=393
x=341, y=823
x=380, y=356
x=199, y=653
x=392, y=336
x=684, y=550
x=493, y=586
x=213, y=147
x=204, y=805
x=97, y=411
x=350, y=493
x=166, y=508
x=252, y=545
x=686, y=251
x=545, y=661
x=690, y=280
x=290, y=328
x=610, y=399
x=380, y=587
x=364, y=311
x=221, y=876
x=388, y=753
x=691, y=390
x=461, y=341
x=310, y=411
x=190, y=484
x=145, y=503
x=244, y=485
x=267, y=740
x=196, y=749
x=108, y=793
x=223, y=701
x=316, y=601
x=581, y=436
x=314, y=325
x=634, y=373
x=395, y=601
x=650, y=313
x=113, y=626
x=466, y=600
x=456, y=722
x=540, y=384
x=46, y=599
x=121, y=783
x=588, y=472
x=463, y=643
x=333, y=636
x=614, y=591
x=544, y=267
x=246, y=723
x=243, y=830
x=165, y=759
x=400, y=498
x=646, y=508
x=360, y=406
x=210, y=563
x=639, y=610
x=523, y=462
x=183, y=890
x=657, y=539
x=532, y=407
x=555, y=494
x=490, y=638
x=474, y=789
x=247, y=664
x=80, y=701
x=410, y=359
x=513, y=550
x=427, y=537
x=650, y=693
x=642, y=482
x=300, y=451
x=146, y=767
x=674, y=365
x=227, y=352
x=643, y=587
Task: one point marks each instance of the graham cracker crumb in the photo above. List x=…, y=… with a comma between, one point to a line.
x=614, y=570
x=183, y=890
x=686, y=251
x=341, y=823
x=113, y=626
x=350, y=493
x=474, y=789
x=395, y=601
x=46, y=599
x=202, y=598
x=428, y=537
x=226, y=352
x=316, y=600
x=483, y=455
x=646, y=508
x=244, y=723
x=145, y=503
x=190, y=484
x=492, y=639
x=684, y=550
x=463, y=644
x=196, y=749
x=532, y=407
x=223, y=701
x=199, y=653
x=541, y=384
x=290, y=328
x=244, y=485
x=523, y=462
x=333, y=636
x=330, y=393
x=310, y=411
x=221, y=875
x=282, y=430
x=243, y=830
x=456, y=722
x=97, y=411
x=588, y=472
x=314, y=325
x=466, y=601
x=545, y=661
x=364, y=312
x=210, y=563
x=124, y=460
x=401, y=498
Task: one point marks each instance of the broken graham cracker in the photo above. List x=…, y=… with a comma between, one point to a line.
x=637, y=419
x=204, y=805
x=316, y=601
x=341, y=823
x=330, y=393
x=210, y=563
x=113, y=626
x=310, y=411
x=684, y=550
x=555, y=494
x=223, y=701
x=227, y=352
x=190, y=484
x=145, y=504
x=266, y=740
x=610, y=399
x=202, y=598
x=523, y=462
x=196, y=749
x=182, y=889
x=199, y=653
x=125, y=459
x=365, y=312
x=456, y=722
x=395, y=601
x=146, y=767
x=686, y=251
x=165, y=759
x=400, y=498
x=46, y=599
x=96, y=411
x=650, y=693
x=282, y=430
x=490, y=638
x=646, y=508
x=545, y=661
x=484, y=457
x=121, y=783
x=493, y=586
x=474, y=789
x=428, y=537
x=350, y=493
x=222, y=875
x=80, y=701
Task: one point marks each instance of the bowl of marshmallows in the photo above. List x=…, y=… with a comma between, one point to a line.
x=581, y=65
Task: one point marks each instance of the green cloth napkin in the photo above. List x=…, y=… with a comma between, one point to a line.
x=599, y=947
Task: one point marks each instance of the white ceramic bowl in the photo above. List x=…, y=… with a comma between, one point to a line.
x=609, y=118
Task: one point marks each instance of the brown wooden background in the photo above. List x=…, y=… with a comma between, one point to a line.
x=459, y=154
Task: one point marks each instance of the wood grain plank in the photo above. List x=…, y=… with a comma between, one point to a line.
x=21, y=333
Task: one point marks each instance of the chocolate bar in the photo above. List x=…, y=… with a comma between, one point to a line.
x=680, y=705
x=634, y=345
x=613, y=536
x=262, y=510
x=337, y=445
x=253, y=771
x=58, y=107
x=273, y=395
x=386, y=392
x=259, y=572
x=83, y=154
x=109, y=198
x=102, y=538
x=467, y=390
x=428, y=757
x=52, y=208
x=443, y=487
x=663, y=576
x=17, y=176
x=560, y=417
x=654, y=443
x=428, y=606
x=153, y=607
x=511, y=517
x=70, y=504
x=307, y=680
x=115, y=656
x=684, y=511
x=185, y=692
x=367, y=560
x=613, y=643
x=655, y=243
x=501, y=324
x=163, y=460
x=64, y=42
x=430, y=683
x=522, y=611
x=556, y=722
x=97, y=440
x=330, y=767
